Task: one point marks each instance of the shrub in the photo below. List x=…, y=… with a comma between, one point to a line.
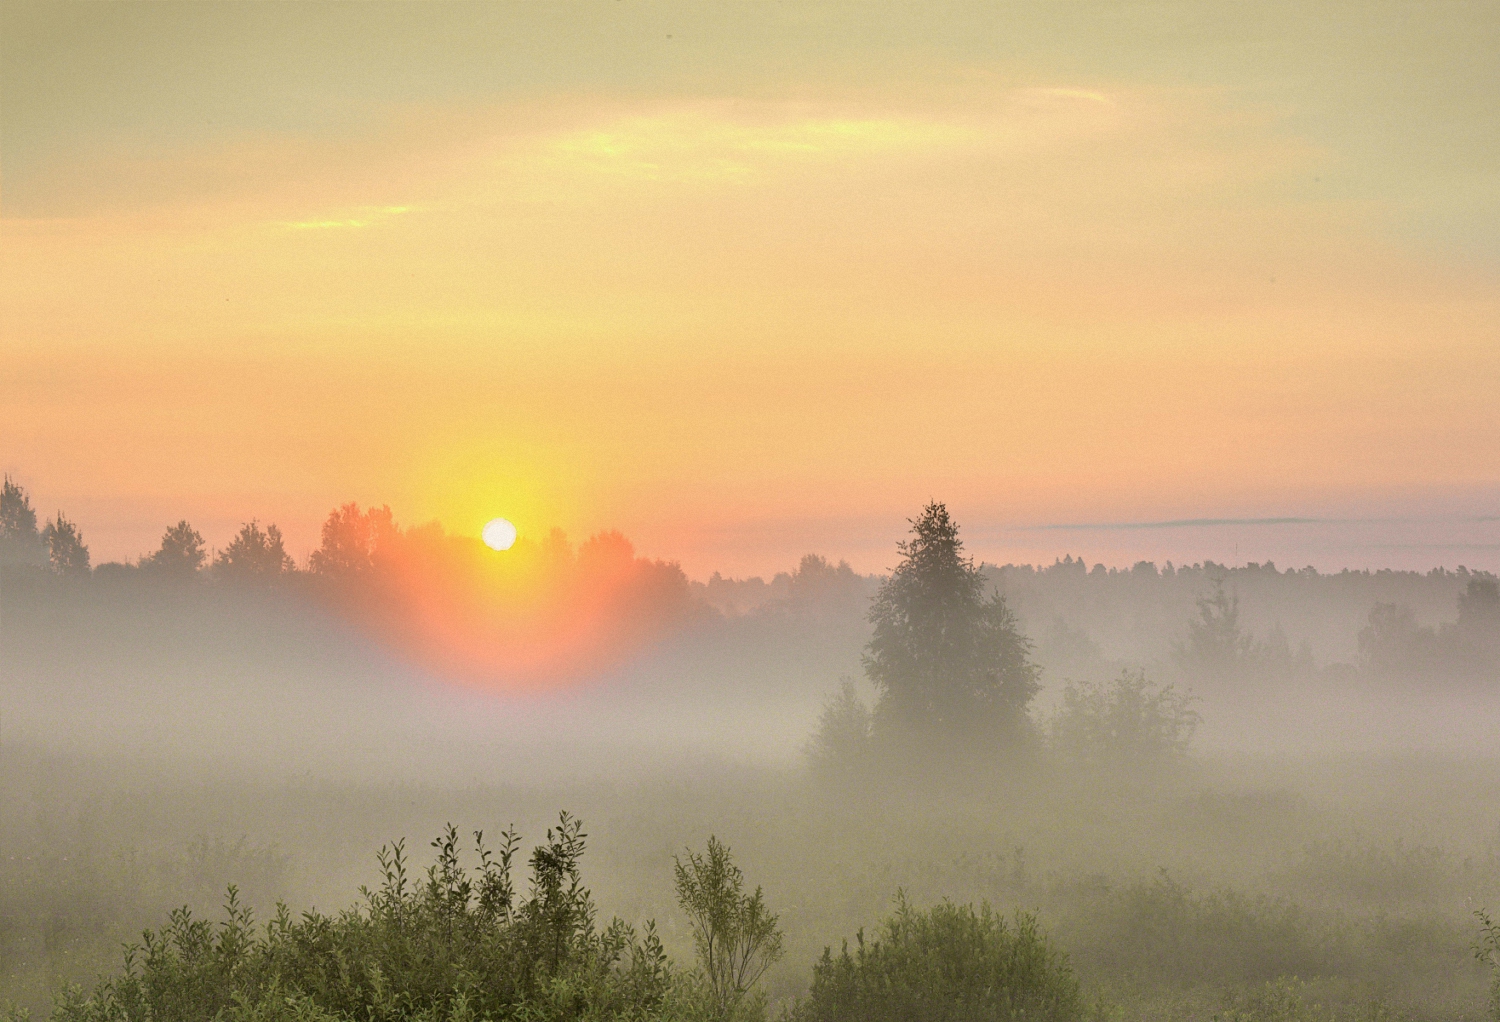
x=1129, y=721
x=948, y=963
x=840, y=748
x=1162, y=932
x=1487, y=950
x=737, y=939
x=1278, y=1000
x=457, y=945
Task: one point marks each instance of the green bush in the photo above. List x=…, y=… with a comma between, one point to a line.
x=1128, y=722
x=1487, y=951
x=455, y=945
x=736, y=936
x=948, y=964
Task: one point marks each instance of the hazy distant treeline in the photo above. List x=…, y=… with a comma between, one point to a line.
x=539, y=610
x=548, y=609
x=1276, y=623
x=1204, y=623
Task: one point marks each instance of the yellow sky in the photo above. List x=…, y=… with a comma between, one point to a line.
x=749, y=280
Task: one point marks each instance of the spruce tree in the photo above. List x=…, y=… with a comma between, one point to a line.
x=947, y=658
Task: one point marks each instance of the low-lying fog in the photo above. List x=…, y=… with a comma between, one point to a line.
x=1333, y=815
x=280, y=682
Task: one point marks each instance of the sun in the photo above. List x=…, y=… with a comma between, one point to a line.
x=499, y=534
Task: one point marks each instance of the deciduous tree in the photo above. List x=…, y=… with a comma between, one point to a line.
x=354, y=541
x=737, y=938
x=181, y=553
x=20, y=542
x=66, y=551
x=254, y=554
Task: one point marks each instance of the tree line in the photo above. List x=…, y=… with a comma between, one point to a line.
x=935, y=599
x=59, y=546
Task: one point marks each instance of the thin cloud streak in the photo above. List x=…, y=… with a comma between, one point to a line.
x=1196, y=523
x=1182, y=523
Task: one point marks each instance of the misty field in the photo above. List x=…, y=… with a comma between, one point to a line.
x=241, y=781
x=681, y=511
x=1347, y=884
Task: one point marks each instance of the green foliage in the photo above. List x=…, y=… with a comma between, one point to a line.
x=1161, y=932
x=949, y=963
x=457, y=944
x=949, y=663
x=1279, y=1000
x=736, y=937
x=1487, y=950
x=1128, y=722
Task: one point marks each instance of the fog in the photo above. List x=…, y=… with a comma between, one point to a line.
x=1218, y=777
x=281, y=679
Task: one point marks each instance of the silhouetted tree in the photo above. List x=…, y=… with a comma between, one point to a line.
x=66, y=551
x=821, y=591
x=1479, y=626
x=19, y=540
x=254, y=554
x=606, y=555
x=948, y=661
x=1392, y=644
x=181, y=553
x=354, y=541
x=1479, y=611
x=1216, y=646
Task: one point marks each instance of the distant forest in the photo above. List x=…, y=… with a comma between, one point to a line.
x=548, y=608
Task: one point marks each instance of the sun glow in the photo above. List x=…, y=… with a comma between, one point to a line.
x=499, y=534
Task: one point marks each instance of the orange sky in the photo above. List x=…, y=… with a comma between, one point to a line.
x=752, y=281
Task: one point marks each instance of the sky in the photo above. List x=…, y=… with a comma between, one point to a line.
x=746, y=281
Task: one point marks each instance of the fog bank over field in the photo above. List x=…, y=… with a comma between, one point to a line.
x=1212, y=785
x=309, y=673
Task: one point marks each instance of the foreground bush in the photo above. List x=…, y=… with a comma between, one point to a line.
x=736, y=937
x=949, y=964
x=1487, y=952
x=450, y=947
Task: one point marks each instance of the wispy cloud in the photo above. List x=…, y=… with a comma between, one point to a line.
x=1088, y=95
x=1179, y=523
x=365, y=219
x=705, y=143
x=1216, y=523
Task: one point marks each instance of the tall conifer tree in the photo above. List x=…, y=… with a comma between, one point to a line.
x=947, y=658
